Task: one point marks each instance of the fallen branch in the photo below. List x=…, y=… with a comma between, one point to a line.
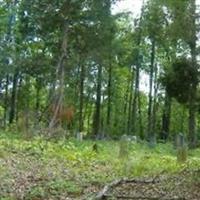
x=103, y=194
x=142, y=197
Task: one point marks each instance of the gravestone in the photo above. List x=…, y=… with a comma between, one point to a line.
x=124, y=147
x=79, y=136
x=181, y=148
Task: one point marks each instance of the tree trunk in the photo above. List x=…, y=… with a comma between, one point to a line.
x=13, y=98
x=59, y=102
x=10, y=41
x=155, y=100
x=89, y=110
x=136, y=97
x=166, y=117
x=6, y=101
x=193, y=90
x=126, y=100
x=141, y=126
x=150, y=113
x=27, y=113
x=192, y=119
x=130, y=103
x=60, y=75
x=81, y=96
x=37, y=101
x=97, y=113
x=109, y=88
x=137, y=77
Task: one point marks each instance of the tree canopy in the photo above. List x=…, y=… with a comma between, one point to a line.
x=76, y=65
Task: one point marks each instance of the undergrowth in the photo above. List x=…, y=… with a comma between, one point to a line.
x=38, y=168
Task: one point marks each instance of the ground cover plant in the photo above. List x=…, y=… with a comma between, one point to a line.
x=47, y=169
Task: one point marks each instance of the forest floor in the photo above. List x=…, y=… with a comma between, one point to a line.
x=180, y=186
x=67, y=169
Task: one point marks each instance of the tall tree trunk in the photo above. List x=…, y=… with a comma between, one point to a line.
x=6, y=101
x=193, y=90
x=37, y=102
x=126, y=100
x=27, y=113
x=109, y=88
x=182, y=121
x=89, y=110
x=13, y=98
x=192, y=111
x=150, y=124
x=60, y=75
x=155, y=100
x=10, y=40
x=136, y=97
x=166, y=117
x=38, y=88
x=59, y=102
x=192, y=118
x=141, y=126
x=18, y=95
x=130, y=102
x=81, y=96
x=97, y=113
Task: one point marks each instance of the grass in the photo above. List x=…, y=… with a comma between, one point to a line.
x=38, y=169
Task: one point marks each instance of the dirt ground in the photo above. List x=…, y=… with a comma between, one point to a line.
x=182, y=186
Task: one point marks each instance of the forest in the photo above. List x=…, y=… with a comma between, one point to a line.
x=97, y=104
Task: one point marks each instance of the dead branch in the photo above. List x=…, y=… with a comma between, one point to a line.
x=103, y=194
x=142, y=197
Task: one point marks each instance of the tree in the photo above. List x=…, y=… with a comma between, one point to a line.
x=154, y=18
x=186, y=11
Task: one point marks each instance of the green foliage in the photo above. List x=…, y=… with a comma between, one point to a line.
x=35, y=192
x=154, y=20
x=65, y=185
x=180, y=79
x=54, y=187
x=66, y=167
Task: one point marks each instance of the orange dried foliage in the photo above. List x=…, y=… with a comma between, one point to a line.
x=65, y=114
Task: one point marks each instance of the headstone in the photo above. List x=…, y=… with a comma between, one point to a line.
x=129, y=138
x=181, y=148
x=133, y=138
x=180, y=140
x=79, y=136
x=152, y=141
x=124, y=146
